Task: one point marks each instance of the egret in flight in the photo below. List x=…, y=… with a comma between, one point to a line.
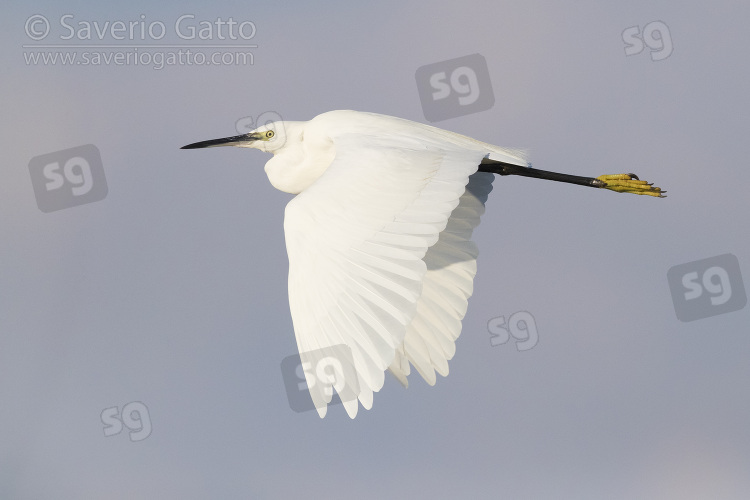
x=381, y=262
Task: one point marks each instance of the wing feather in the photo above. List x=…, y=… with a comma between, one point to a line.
x=446, y=287
x=357, y=240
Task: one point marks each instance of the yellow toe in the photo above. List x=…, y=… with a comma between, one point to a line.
x=629, y=183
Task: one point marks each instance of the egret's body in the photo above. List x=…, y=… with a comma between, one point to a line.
x=379, y=237
x=304, y=150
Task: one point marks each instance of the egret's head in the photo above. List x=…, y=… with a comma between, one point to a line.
x=269, y=138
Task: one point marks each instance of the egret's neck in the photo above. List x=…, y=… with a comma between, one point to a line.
x=298, y=165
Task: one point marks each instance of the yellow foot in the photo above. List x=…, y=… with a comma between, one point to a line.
x=629, y=183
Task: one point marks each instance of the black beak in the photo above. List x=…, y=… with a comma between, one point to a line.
x=237, y=140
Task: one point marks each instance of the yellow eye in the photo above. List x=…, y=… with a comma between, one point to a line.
x=269, y=134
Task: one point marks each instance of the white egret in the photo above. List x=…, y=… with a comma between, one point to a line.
x=379, y=238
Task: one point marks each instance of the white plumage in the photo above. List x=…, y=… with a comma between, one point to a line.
x=378, y=238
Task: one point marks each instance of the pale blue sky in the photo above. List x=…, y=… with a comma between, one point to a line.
x=172, y=290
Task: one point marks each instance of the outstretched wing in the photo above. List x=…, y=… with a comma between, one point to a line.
x=430, y=340
x=356, y=241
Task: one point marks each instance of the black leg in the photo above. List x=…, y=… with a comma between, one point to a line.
x=624, y=183
x=501, y=168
